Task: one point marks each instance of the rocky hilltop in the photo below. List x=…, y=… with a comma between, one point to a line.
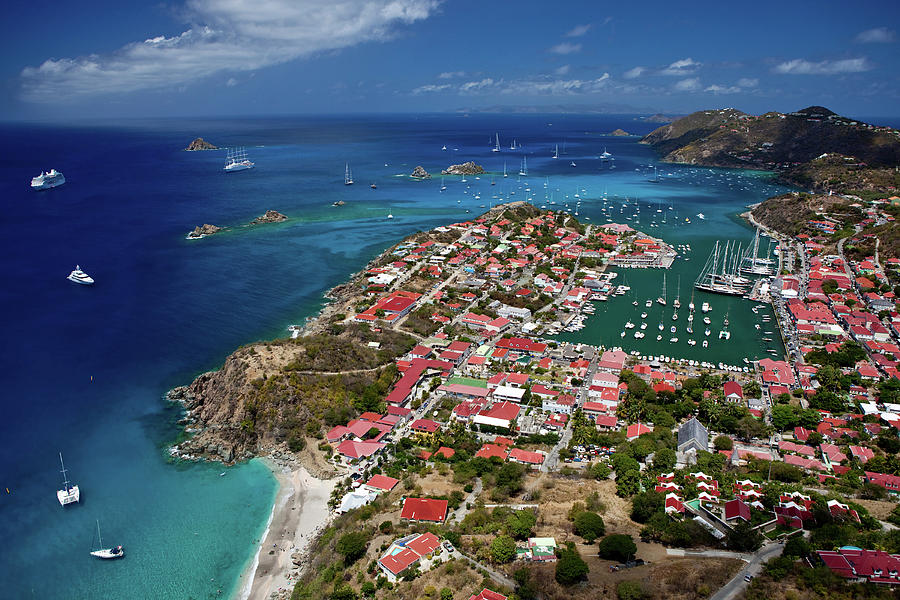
x=200, y=144
x=620, y=133
x=271, y=216
x=776, y=141
x=203, y=231
x=420, y=173
x=467, y=168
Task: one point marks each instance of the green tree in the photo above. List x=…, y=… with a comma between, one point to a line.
x=628, y=483
x=629, y=590
x=645, y=505
x=744, y=538
x=520, y=524
x=664, y=459
x=446, y=594
x=589, y=525
x=723, y=442
x=503, y=549
x=352, y=546
x=617, y=547
x=570, y=568
x=784, y=417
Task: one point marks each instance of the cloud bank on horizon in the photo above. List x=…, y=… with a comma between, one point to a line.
x=228, y=36
x=431, y=55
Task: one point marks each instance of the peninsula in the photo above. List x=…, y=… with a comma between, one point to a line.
x=457, y=448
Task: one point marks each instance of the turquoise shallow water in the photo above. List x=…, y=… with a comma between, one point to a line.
x=85, y=369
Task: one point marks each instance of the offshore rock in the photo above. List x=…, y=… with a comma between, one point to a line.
x=200, y=144
x=203, y=231
x=271, y=216
x=620, y=133
x=420, y=173
x=467, y=168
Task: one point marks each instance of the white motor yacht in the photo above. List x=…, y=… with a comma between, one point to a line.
x=79, y=276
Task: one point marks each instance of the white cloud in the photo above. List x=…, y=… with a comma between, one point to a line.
x=230, y=36
x=688, y=85
x=451, y=74
x=425, y=89
x=800, y=66
x=471, y=86
x=563, y=70
x=633, y=73
x=685, y=66
x=537, y=86
x=747, y=82
x=721, y=89
x=578, y=30
x=566, y=48
x=879, y=35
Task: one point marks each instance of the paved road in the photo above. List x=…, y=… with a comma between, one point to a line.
x=737, y=584
x=496, y=576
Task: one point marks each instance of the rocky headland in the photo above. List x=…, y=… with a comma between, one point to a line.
x=420, y=173
x=200, y=144
x=204, y=230
x=271, y=216
x=467, y=168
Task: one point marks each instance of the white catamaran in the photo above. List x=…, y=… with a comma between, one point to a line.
x=69, y=493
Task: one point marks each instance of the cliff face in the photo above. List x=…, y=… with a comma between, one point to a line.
x=730, y=138
x=274, y=394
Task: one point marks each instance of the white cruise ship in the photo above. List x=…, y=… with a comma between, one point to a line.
x=79, y=276
x=48, y=179
x=237, y=161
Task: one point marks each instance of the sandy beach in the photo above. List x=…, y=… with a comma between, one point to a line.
x=300, y=512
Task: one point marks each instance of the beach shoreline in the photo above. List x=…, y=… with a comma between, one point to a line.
x=300, y=512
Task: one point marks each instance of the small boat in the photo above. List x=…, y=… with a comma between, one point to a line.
x=106, y=553
x=390, y=216
x=444, y=148
x=348, y=174
x=705, y=343
x=68, y=494
x=707, y=332
x=48, y=179
x=701, y=216
x=373, y=186
x=572, y=164
x=80, y=277
x=705, y=307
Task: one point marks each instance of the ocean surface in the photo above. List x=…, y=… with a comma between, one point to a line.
x=86, y=368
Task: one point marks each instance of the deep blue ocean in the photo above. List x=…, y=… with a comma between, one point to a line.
x=85, y=369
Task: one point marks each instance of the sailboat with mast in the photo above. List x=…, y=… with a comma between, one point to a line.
x=677, y=301
x=556, y=152
x=236, y=160
x=348, y=174
x=712, y=279
x=753, y=264
x=505, y=175
x=106, y=553
x=70, y=493
x=662, y=298
x=496, y=147
x=523, y=170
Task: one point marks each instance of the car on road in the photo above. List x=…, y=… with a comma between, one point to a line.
x=748, y=577
x=448, y=546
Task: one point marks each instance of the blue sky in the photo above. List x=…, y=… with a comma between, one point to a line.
x=243, y=57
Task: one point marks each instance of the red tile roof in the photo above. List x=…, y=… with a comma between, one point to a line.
x=424, y=509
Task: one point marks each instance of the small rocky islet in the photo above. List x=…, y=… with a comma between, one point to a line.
x=200, y=144
x=270, y=216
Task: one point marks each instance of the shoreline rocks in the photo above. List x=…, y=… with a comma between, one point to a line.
x=200, y=144
x=271, y=216
x=204, y=230
x=420, y=173
x=467, y=168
